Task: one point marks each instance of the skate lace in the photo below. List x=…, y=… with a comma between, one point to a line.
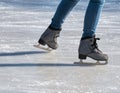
x=95, y=45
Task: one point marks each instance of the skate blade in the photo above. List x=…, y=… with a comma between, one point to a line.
x=43, y=47
x=91, y=63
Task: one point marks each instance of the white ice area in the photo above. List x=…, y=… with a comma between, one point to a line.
x=25, y=69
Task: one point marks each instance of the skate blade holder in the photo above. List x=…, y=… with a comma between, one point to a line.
x=43, y=47
x=91, y=63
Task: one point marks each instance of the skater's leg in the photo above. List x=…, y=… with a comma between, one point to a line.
x=49, y=37
x=92, y=16
x=88, y=46
x=62, y=11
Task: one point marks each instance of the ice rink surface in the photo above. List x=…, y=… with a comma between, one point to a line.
x=25, y=69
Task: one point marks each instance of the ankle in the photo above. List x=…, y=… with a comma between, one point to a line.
x=87, y=37
x=52, y=28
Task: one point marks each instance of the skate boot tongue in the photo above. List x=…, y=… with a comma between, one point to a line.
x=93, y=40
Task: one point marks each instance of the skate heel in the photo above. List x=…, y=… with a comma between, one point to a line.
x=81, y=56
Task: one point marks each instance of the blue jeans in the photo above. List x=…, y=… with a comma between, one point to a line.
x=91, y=17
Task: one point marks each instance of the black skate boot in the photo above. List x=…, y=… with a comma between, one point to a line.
x=49, y=38
x=89, y=48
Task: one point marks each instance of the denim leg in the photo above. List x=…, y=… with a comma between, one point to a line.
x=92, y=17
x=62, y=11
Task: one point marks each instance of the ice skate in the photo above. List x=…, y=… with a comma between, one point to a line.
x=49, y=39
x=89, y=48
x=43, y=47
